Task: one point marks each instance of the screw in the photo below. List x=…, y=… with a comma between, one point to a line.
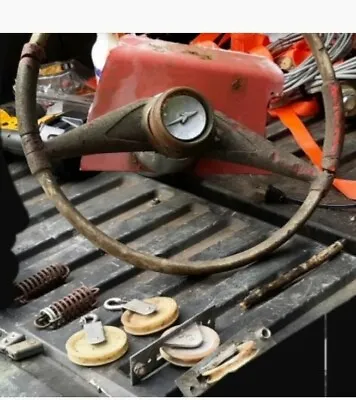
x=139, y=369
x=156, y=201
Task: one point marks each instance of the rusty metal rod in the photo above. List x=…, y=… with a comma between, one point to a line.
x=284, y=280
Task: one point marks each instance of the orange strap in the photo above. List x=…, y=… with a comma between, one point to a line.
x=306, y=142
x=224, y=39
x=205, y=37
x=261, y=51
x=245, y=42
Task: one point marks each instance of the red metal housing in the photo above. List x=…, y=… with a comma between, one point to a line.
x=240, y=85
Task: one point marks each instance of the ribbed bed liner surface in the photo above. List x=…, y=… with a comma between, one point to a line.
x=157, y=219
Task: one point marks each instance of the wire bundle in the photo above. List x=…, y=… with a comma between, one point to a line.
x=306, y=74
x=344, y=71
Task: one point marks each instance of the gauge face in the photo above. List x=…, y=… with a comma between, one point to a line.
x=184, y=117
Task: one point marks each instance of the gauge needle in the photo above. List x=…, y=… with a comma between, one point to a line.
x=183, y=118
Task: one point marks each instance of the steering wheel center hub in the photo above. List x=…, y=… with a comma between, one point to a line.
x=180, y=122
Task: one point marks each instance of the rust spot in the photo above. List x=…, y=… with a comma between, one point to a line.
x=198, y=54
x=237, y=84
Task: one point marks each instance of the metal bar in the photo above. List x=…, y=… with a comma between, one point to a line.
x=261, y=293
x=148, y=359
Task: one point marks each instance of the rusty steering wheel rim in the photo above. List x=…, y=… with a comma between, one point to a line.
x=40, y=167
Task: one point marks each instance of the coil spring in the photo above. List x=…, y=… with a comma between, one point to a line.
x=41, y=282
x=78, y=302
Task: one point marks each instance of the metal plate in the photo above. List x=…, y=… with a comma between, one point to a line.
x=189, y=338
x=148, y=359
x=140, y=307
x=95, y=332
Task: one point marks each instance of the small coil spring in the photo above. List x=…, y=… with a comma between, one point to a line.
x=78, y=302
x=41, y=282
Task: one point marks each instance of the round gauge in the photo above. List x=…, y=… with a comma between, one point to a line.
x=184, y=117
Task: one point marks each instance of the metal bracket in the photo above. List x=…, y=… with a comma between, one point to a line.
x=10, y=339
x=149, y=359
x=195, y=382
x=25, y=349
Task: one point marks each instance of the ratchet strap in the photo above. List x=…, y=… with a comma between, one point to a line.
x=289, y=117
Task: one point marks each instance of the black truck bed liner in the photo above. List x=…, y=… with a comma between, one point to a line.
x=169, y=222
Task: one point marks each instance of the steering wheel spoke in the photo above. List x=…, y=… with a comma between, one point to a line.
x=236, y=143
x=118, y=131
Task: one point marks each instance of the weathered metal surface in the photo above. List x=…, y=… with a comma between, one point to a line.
x=282, y=281
x=166, y=222
x=148, y=359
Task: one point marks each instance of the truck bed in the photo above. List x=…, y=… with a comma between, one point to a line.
x=184, y=219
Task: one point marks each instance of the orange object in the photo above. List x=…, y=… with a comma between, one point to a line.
x=245, y=42
x=211, y=38
x=289, y=118
x=293, y=56
x=301, y=52
x=261, y=51
x=253, y=43
x=298, y=52
x=224, y=39
x=307, y=108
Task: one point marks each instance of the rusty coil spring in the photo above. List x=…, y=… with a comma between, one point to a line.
x=68, y=308
x=41, y=282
